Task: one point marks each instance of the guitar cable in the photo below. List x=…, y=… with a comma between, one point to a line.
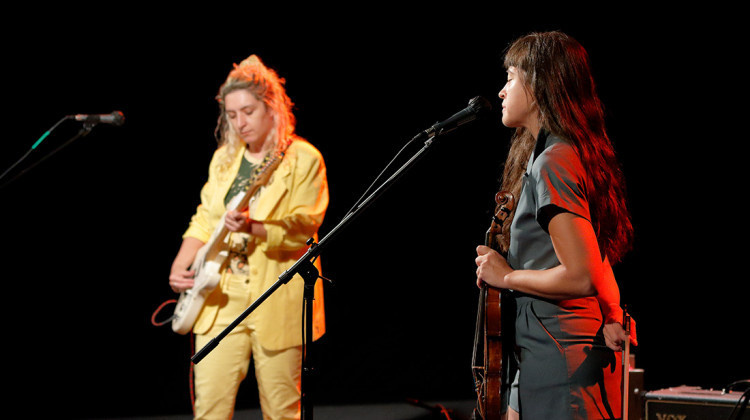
x=191, y=383
x=156, y=323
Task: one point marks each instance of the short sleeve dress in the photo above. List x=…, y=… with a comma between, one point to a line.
x=565, y=370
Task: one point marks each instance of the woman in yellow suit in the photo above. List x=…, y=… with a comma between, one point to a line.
x=256, y=122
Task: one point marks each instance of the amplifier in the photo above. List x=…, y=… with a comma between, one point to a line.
x=692, y=403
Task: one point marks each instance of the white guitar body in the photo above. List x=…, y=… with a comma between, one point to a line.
x=207, y=276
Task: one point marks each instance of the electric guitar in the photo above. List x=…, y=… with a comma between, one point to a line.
x=211, y=257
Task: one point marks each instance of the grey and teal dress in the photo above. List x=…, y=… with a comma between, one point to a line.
x=565, y=370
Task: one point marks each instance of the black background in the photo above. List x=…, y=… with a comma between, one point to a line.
x=90, y=233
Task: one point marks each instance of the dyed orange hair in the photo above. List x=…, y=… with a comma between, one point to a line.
x=266, y=85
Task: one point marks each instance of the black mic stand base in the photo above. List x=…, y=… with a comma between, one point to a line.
x=310, y=274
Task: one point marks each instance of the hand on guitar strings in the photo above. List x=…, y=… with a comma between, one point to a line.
x=237, y=221
x=180, y=275
x=181, y=280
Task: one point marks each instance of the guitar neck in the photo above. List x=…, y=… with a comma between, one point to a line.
x=221, y=231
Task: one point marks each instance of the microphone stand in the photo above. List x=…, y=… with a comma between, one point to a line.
x=305, y=268
x=85, y=130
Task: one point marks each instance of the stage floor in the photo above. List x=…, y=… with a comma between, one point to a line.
x=454, y=410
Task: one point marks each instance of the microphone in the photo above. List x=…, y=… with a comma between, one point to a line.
x=115, y=118
x=478, y=106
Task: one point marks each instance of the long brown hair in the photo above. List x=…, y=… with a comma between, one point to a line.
x=556, y=69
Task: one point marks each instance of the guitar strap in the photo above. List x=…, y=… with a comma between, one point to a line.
x=278, y=153
x=248, y=173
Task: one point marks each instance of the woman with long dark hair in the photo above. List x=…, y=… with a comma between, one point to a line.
x=569, y=225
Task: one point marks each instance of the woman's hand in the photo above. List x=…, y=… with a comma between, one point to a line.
x=181, y=280
x=180, y=275
x=491, y=267
x=615, y=335
x=236, y=221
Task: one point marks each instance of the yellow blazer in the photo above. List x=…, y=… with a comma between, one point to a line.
x=291, y=207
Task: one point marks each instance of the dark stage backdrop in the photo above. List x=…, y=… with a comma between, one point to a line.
x=89, y=234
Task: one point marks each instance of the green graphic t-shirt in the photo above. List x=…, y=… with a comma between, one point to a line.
x=242, y=181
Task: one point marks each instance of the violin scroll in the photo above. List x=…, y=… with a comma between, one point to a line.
x=505, y=202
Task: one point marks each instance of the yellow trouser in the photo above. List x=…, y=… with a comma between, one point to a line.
x=218, y=375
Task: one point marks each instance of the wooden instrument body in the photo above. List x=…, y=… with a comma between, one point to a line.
x=489, y=376
x=491, y=389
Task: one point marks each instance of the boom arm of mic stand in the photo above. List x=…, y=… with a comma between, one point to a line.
x=46, y=134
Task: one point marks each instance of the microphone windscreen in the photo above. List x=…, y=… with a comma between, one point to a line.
x=479, y=104
x=119, y=118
